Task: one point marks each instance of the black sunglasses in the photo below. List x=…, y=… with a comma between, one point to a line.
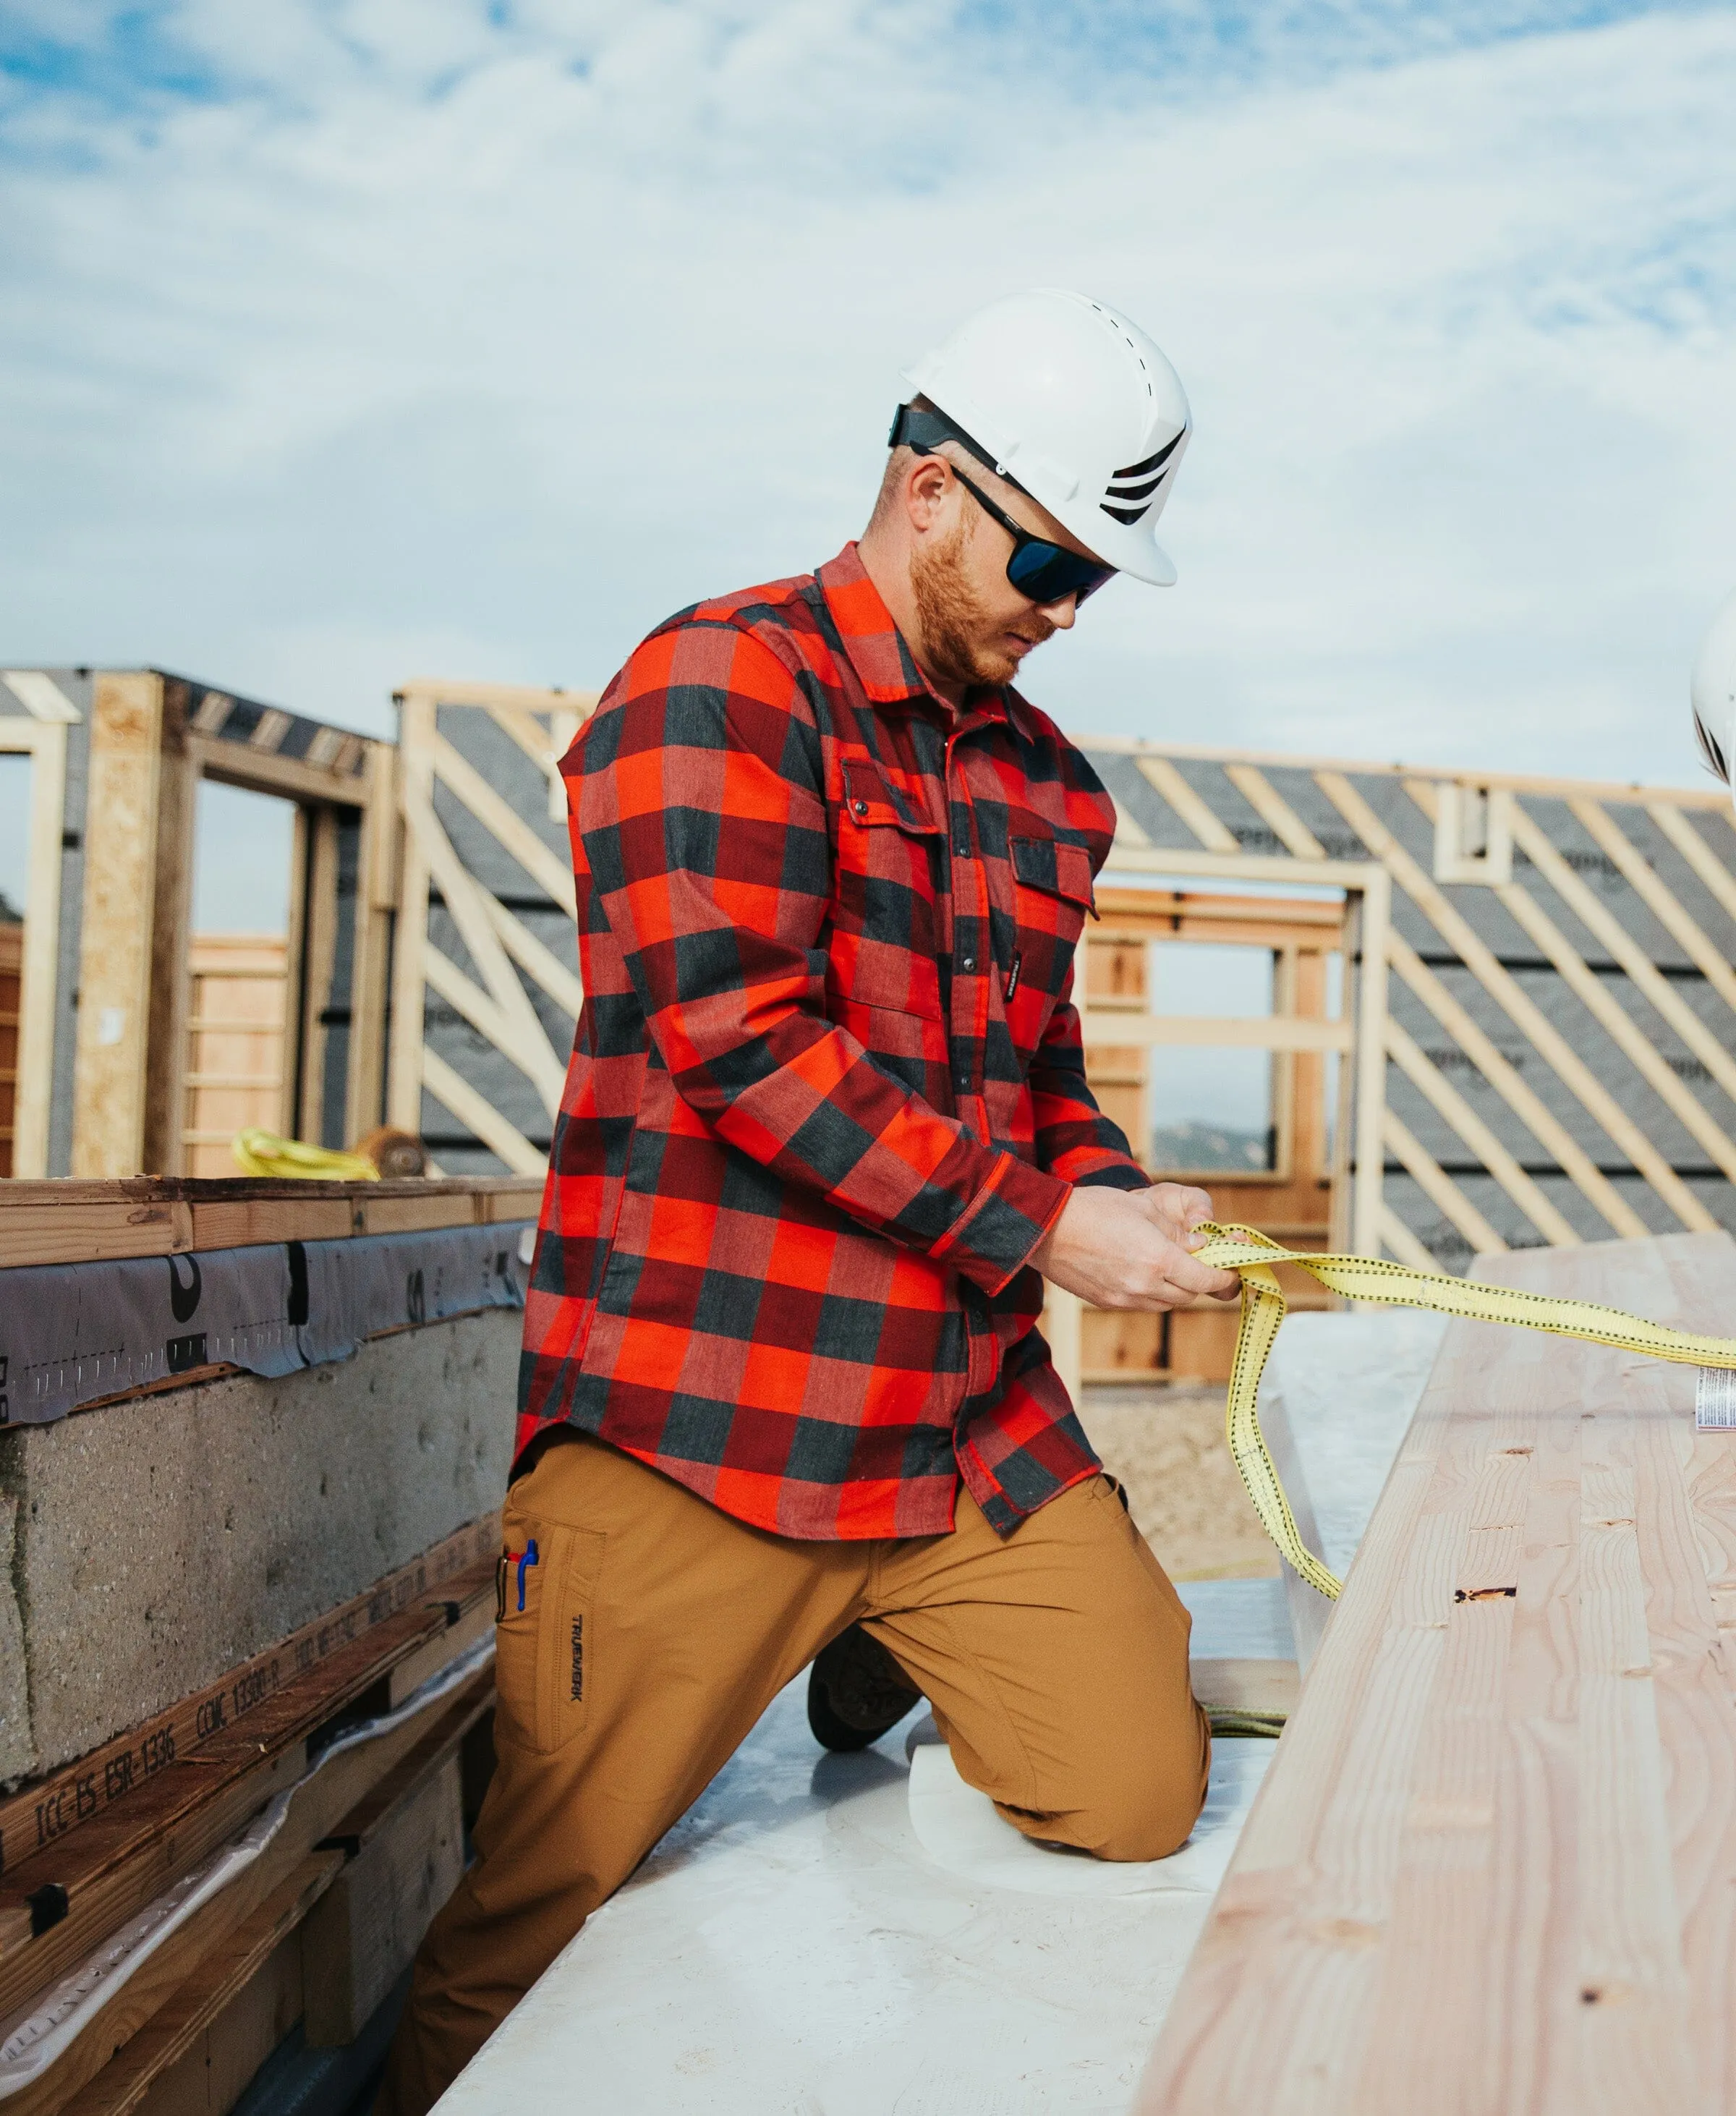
x=1042, y=572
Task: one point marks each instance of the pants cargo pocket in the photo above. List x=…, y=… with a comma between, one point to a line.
x=545, y=1638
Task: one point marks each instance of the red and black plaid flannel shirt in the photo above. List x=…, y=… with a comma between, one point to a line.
x=828, y=1091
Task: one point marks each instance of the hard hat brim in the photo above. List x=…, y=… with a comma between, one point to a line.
x=1137, y=557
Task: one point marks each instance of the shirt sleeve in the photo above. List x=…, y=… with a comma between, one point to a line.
x=700, y=811
x=1074, y=1139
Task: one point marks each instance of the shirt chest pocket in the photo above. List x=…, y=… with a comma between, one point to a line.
x=885, y=937
x=1052, y=883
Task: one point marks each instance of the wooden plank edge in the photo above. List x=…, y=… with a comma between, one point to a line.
x=332, y=1808
x=456, y=1570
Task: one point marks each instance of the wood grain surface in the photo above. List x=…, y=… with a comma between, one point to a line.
x=1493, y=1868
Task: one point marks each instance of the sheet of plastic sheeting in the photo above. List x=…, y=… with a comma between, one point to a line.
x=794, y=1946
x=1237, y=1619
x=958, y=1829
x=1337, y=1401
x=71, y=1333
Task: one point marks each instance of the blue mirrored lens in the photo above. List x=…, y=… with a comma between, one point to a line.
x=1046, y=572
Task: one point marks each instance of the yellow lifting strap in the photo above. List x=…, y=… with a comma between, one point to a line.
x=1373, y=1278
x=263, y=1154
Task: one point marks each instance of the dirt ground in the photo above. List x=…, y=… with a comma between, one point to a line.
x=1167, y=1446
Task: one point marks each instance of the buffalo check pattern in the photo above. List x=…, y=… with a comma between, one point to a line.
x=827, y=1092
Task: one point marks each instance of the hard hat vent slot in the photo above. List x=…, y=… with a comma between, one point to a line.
x=1131, y=490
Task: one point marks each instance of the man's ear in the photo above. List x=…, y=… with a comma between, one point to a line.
x=927, y=490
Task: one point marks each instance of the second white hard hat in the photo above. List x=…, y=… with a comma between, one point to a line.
x=1074, y=402
x=1712, y=690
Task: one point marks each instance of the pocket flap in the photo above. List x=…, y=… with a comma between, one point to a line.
x=1063, y=870
x=871, y=798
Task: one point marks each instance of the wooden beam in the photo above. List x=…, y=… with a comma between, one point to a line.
x=408, y=1036
x=1190, y=808
x=1551, y=1045
x=41, y=697
x=1646, y=977
x=529, y=697
x=172, y=2032
x=39, y=969
x=546, y=868
x=1715, y=801
x=130, y=2046
x=546, y=746
x=1551, y=1133
x=530, y=1049
x=1374, y=920
x=171, y=922
x=481, y=1117
x=120, y=866
x=291, y=1055
x=377, y=858
x=1401, y=1244
x=481, y=1011
x=1437, y=1185
x=1489, y=1867
x=318, y=966
x=62, y=1222
x=260, y=771
x=1628, y=1038
x=1183, y=862
x=1271, y=1032
x=1432, y=1084
x=1275, y=811
x=561, y=983
x=1648, y=886
x=1713, y=876
x=370, y=1923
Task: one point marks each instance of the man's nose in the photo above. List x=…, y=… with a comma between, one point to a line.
x=1061, y=615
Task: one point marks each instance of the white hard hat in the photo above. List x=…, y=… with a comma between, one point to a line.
x=1713, y=689
x=1075, y=404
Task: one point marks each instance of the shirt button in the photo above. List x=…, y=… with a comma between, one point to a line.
x=970, y=961
x=961, y=851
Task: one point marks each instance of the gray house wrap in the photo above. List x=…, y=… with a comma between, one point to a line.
x=70, y=1333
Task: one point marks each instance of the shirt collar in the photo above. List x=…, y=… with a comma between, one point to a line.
x=883, y=663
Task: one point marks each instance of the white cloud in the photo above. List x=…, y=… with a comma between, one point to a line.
x=417, y=340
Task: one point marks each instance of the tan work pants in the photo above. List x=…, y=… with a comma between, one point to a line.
x=655, y=1631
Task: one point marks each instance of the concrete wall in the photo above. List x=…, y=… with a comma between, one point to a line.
x=158, y=1542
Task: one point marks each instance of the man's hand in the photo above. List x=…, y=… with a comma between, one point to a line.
x=1130, y=1248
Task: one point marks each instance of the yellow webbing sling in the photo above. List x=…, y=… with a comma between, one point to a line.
x=1372, y=1278
x=259, y=1153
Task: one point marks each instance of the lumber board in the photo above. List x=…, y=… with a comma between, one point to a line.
x=465, y=1624
x=1712, y=800
x=118, y=924
x=117, y=1862
x=456, y=1573
x=369, y=1924
x=1246, y=1686
x=1494, y=1865
x=211, y=2075
x=41, y=954
x=69, y=1221
x=142, y=2053
x=145, y=2030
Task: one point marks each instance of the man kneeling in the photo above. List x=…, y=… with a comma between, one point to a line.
x=825, y=1131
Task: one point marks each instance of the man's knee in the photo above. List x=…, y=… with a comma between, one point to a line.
x=1156, y=1821
x=1143, y=1801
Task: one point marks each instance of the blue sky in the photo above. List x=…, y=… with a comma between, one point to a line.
x=352, y=340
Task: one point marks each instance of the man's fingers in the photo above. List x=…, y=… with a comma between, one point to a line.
x=1195, y=1278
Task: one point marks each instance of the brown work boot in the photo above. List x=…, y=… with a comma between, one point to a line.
x=856, y=1691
